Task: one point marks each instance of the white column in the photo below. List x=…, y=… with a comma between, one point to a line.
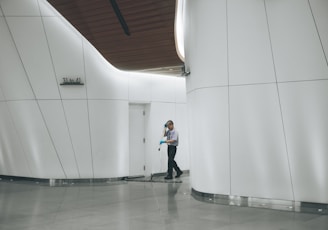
x=251, y=63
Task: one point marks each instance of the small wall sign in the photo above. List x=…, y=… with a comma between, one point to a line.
x=71, y=81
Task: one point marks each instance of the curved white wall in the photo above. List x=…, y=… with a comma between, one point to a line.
x=257, y=97
x=53, y=131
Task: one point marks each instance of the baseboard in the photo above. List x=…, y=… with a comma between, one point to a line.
x=244, y=201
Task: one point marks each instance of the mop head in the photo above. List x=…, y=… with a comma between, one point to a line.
x=153, y=178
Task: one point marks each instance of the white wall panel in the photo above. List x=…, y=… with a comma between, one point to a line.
x=12, y=157
x=296, y=46
x=35, y=139
x=181, y=124
x=191, y=112
x=5, y=143
x=180, y=90
x=103, y=80
x=209, y=132
x=320, y=12
x=32, y=46
x=159, y=114
x=163, y=89
x=258, y=152
x=206, y=48
x=20, y=7
x=54, y=116
x=2, y=98
x=305, y=112
x=47, y=9
x=139, y=87
x=66, y=46
x=45, y=143
x=1, y=15
x=250, y=56
x=109, y=122
x=13, y=79
x=78, y=123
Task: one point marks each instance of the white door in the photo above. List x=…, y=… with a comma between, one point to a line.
x=137, y=139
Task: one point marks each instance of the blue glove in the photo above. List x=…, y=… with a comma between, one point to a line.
x=162, y=142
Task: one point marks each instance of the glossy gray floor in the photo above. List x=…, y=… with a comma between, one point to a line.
x=133, y=205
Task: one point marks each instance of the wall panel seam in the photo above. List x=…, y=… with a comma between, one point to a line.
x=19, y=138
x=229, y=107
x=60, y=95
x=299, y=81
x=47, y=128
x=21, y=16
x=251, y=84
x=207, y=87
x=88, y=110
x=51, y=139
x=317, y=29
x=20, y=58
x=279, y=101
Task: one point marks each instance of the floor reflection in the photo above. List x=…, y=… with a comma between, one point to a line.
x=133, y=205
x=172, y=190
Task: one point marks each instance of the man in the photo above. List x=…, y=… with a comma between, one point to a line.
x=172, y=142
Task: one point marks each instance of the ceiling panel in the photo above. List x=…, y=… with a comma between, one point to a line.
x=151, y=43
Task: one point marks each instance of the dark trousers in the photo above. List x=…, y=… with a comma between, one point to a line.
x=171, y=151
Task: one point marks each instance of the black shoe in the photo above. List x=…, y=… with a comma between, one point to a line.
x=179, y=174
x=168, y=178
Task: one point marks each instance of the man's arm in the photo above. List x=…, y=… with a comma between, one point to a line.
x=170, y=141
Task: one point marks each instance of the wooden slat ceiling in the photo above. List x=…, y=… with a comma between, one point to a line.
x=151, y=44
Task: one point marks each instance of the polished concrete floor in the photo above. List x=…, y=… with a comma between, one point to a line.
x=133, y=205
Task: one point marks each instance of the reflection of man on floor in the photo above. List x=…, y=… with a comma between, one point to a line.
x=172, y=190
x=172, y=143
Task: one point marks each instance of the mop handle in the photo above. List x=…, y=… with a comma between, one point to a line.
x=163, y=135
